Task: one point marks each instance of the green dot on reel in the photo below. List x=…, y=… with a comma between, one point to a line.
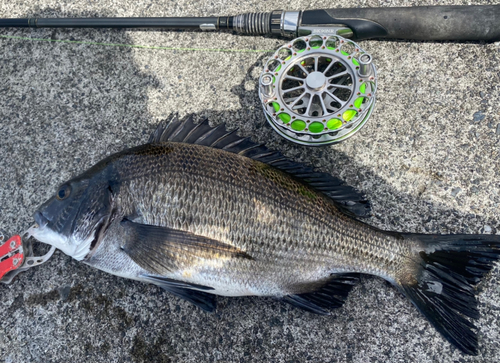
x=358, y=102
x=298, y=125
x=334, y=124
x=316, y=127
x=362, y=88
x=355, y=62
x=349, y=115
x=285, y=117
x=276, y=106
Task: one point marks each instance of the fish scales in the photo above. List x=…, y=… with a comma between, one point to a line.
x=260, y=210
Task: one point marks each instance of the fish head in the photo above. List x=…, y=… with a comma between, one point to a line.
x=73, y=218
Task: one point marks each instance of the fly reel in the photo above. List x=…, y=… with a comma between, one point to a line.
x=318, y=89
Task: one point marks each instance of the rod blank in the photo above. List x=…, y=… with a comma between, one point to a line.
x=166, y=23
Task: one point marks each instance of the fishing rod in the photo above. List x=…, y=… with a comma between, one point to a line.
x=479, y=22
x=319, y=88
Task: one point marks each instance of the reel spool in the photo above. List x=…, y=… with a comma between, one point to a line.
x=318, y=89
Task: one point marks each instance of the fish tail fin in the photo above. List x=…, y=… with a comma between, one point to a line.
x=442, y=284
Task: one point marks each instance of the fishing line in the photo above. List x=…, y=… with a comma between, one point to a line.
x=219, y=50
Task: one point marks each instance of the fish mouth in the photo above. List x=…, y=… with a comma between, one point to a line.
x=40, y=219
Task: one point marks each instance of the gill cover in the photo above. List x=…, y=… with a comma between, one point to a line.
x=72, y=220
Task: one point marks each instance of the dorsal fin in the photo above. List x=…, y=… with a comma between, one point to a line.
x=174, y=130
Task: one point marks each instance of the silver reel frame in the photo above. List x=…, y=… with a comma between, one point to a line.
x=318, y=89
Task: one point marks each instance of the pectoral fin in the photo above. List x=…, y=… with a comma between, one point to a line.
x=159, y=249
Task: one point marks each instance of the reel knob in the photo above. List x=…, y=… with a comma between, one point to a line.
x=266, y=81
x=318, y=89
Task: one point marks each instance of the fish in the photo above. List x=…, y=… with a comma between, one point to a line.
x=201, y=212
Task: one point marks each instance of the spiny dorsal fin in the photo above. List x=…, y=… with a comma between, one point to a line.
x=174, y=130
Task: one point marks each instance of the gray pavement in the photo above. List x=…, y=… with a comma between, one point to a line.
x=428, y=160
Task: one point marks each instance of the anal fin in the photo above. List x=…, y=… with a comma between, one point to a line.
x=330, y=296
x=299, y=301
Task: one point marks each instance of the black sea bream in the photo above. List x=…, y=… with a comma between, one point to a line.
x=202, y=212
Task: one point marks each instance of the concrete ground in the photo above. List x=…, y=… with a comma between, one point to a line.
x=428, y=160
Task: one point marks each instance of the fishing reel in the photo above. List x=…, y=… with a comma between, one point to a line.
x=318, y=89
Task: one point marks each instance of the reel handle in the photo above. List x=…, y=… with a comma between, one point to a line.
x=475, y=22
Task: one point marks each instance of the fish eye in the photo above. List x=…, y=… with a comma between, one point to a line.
x=63, y=192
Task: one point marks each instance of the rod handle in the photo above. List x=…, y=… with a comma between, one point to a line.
x=475, y=22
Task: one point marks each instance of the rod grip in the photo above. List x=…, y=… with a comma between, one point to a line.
x=475, y=22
